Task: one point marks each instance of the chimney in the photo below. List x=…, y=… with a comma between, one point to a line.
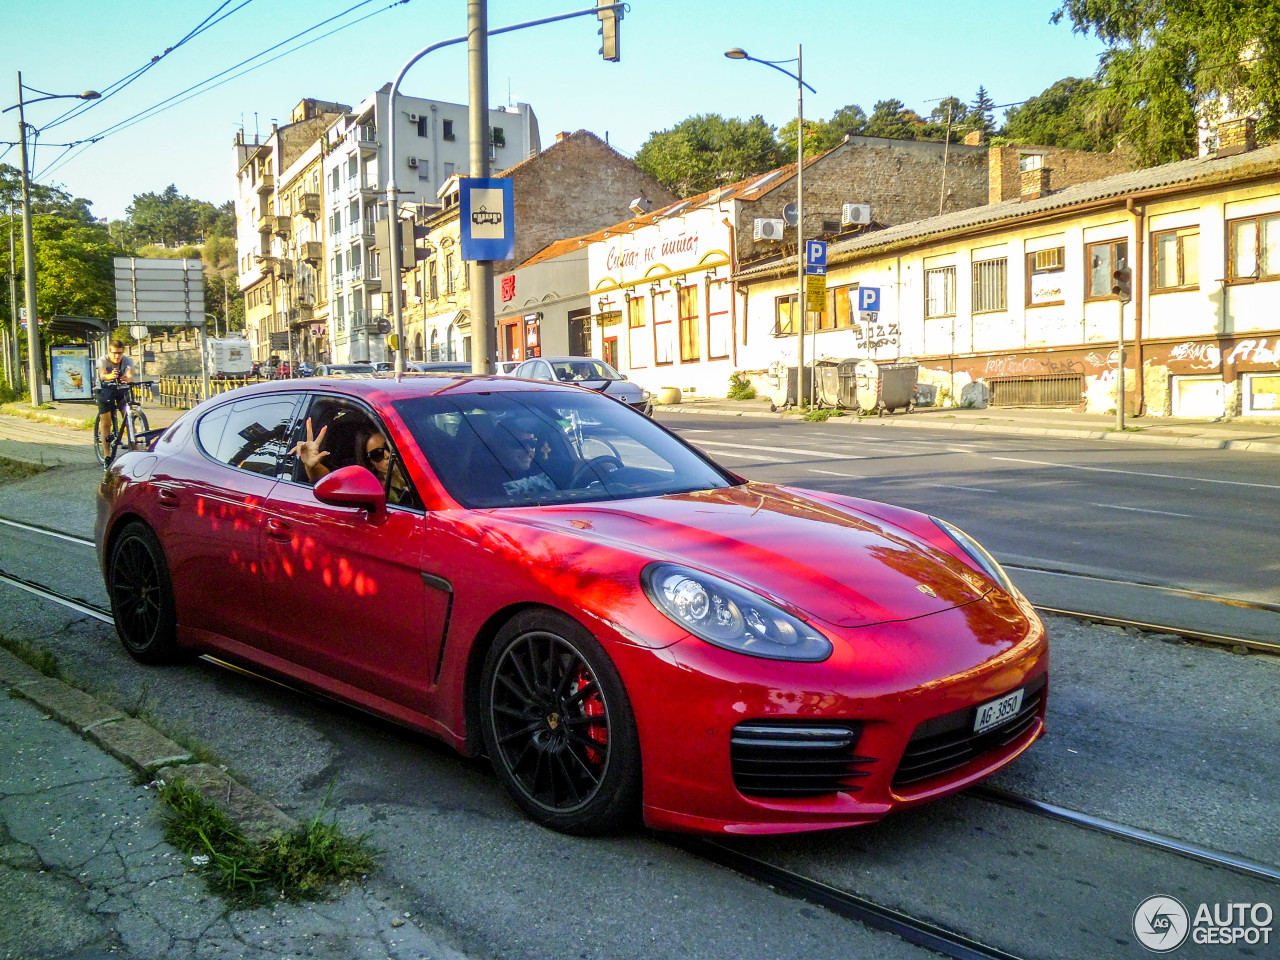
x=562, y=135
x=973, y=138
x=1237, y=136
x=1035, y=183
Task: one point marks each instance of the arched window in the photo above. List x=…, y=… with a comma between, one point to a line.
x=417, y=346
x=435, y=346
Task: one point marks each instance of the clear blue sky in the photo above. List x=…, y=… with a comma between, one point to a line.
x=672, y=66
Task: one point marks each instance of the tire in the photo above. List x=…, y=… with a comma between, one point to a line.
x=140, y=425
x=142, y=597
x=97, y=439
x=558, y=725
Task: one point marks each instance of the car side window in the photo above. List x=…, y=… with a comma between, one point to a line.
x=345, y=431
x=248, y=434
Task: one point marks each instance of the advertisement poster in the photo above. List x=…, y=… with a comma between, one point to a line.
x=70, y=368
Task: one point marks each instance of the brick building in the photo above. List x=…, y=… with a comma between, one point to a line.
x=576, y=185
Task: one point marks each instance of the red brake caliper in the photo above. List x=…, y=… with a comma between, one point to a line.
x=592, y=706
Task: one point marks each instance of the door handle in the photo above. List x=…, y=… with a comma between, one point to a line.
x=279, y=530
x=166, y=498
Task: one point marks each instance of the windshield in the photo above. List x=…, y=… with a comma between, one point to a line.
x=576, y=371
x=545, y=447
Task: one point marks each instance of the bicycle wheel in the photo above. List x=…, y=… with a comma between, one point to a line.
x=113, y=439
x=138, y=419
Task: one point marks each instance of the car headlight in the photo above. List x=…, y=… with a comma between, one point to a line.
x=731, y=617
x=979, y=555
x=645, y=394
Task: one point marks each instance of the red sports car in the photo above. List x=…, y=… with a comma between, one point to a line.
x=536, y=572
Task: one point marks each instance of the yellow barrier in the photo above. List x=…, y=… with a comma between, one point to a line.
x=186, y=392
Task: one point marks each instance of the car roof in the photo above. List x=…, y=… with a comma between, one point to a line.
x=381, y=389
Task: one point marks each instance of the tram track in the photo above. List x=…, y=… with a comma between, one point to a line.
x=850, y=905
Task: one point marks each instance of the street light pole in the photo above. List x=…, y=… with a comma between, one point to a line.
x=28, y=245
x=737, y=53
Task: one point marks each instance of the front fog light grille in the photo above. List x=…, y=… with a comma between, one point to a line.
x=789, y=759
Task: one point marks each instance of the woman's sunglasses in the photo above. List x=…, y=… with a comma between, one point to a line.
x=377, y=453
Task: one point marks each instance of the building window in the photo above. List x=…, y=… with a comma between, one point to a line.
x=424, y=126
x=447, y=132
x=1176, y=261
x=719, y=328
x=432, y=281
x=661, y=330
x=1104, y=260
x=690, y=347
x=990, y=285
x=842, y=306
x=1255, y=249
x=637, y=354
x=336, y=172
x=940, y=292
x=1045, y=272
x=498, y=138
x=784, y=316
x=449, y=283
x=353, y=167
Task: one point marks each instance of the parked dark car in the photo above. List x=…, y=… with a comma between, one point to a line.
x=588, y=372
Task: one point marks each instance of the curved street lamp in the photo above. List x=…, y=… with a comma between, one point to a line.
x=28, y=246
x=737, y=53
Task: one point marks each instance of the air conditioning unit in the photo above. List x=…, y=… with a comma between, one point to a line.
x=413, y=118
x=767, y=229
x=855, y=214
x=413, y=162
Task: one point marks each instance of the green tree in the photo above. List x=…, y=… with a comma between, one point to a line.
x=708, y=150
x=1170, y=61
x=75, y=271
x=1064, y=115
x=44, y=199
x=822, y=135
x=980, y=115
x=892, y=118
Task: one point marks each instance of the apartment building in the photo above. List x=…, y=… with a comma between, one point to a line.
x=432, y=146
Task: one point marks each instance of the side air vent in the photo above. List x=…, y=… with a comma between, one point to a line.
x=796, y=759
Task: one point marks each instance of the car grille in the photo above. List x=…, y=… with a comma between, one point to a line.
x=948, y=742
x=790, y=759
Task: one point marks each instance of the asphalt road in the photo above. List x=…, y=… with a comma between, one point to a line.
x=1179, y=739
x=1198, y=519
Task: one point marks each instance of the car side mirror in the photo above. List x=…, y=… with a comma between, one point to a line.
x=354, y=486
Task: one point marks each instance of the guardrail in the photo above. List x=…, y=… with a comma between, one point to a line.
x=187, y=391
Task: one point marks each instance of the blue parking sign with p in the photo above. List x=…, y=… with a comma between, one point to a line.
x=815, y=258
x=868, y=299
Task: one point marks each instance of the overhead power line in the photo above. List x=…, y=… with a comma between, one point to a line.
x=208, y=84
x=81, y=108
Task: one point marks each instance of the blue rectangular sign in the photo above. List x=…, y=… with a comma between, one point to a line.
x=815, y=258
x=487, y=218
x=868, y=299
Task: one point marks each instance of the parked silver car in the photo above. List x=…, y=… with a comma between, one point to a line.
x=588, y=372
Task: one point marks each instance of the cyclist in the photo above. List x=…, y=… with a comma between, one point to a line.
x=114, y=369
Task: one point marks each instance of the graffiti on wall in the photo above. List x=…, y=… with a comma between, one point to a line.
x=870, y=334
x=1197, y=356
x=1255, y=351
x=1047, y=366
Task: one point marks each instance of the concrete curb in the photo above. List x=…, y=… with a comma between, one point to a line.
x=140, y=746
x=1076, y=433
x=44, y=416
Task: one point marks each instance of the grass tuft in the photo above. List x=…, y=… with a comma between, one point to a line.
x=824, y=414
x=41, y=658
x=300, y=865
x=11, y=470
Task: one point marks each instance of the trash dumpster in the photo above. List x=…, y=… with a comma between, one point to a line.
x=873, y=387
x=827, y=384
x=783, y=381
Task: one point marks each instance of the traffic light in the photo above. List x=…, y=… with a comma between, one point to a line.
x=610, y=15
x=1123, y=286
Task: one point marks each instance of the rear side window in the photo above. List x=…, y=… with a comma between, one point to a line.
x=249, y=434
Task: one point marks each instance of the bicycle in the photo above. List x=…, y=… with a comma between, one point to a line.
x=129, y=409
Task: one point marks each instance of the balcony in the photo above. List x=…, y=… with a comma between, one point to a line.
x=310, y=206
x=366, y=229
x=311, y=251
x=356, y=321
x=266, y=184
x=366, y=137
x=283, y=226
x=266, y=223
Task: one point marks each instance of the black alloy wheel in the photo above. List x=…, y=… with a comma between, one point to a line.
x=111, y=438
x=140, y=425
x=142, y=597
x=558, y=726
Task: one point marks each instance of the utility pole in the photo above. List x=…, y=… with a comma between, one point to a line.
x=481, y=270
x=29, y=265
x=14, y=356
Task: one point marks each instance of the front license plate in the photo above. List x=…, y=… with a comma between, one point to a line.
x=998, y=711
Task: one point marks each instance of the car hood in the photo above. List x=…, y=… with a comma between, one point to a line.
x=622, y=389
x=822, y=560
